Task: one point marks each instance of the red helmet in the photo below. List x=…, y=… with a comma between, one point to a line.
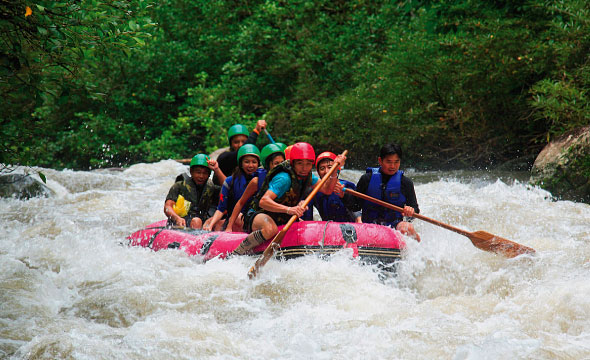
x=323, y=156
x=302, y=151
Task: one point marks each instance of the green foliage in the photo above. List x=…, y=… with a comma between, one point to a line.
x=562, y=104
x=103, y=83
x=49, y=54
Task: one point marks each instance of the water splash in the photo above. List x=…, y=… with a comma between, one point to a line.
x=68, y=289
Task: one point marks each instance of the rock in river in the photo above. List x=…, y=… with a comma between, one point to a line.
x=563, y=166
x=22, y=186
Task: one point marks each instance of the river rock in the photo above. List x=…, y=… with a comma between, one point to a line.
x=563, y=166
x=22, y=186
x=215, y=154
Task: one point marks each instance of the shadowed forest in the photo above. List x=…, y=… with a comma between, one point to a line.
x=89, y=84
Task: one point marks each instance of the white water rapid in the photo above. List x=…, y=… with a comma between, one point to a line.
x=70, y=290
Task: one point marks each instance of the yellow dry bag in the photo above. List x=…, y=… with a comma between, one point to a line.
x=182, y=206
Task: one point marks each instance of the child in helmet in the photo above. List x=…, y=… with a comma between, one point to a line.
x=237, y=135
x=336, y=206
x=270, y=156
x=248, y=158
x=189, y=199
x=281, y=196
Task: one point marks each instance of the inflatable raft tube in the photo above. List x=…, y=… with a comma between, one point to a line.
x=371, y=243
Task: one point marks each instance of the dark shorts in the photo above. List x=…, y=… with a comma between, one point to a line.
x=249, y=219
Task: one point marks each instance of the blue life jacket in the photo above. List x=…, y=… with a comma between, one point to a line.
x=331, y=206
x=390, y=192
x=237, y=186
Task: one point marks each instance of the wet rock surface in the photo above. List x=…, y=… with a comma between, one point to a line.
x=22, y=186
x=563, y=166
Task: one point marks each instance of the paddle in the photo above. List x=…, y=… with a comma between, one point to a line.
x=275, y=244
x=480, y=239
x=269, y=137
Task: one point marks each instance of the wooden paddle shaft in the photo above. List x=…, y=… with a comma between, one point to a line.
x=276, y=242
x=481, y=239
x=399, y=209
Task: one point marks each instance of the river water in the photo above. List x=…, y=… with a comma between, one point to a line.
x=70, y=289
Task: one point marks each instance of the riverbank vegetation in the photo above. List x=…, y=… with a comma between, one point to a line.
x=463, y=83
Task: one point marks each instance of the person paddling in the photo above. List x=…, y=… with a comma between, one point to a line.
x=280, y=197
x=336, y=206
x=237, y=135
x=388, y=183
x=270, y=156
x=248, y=158
x=189, y=199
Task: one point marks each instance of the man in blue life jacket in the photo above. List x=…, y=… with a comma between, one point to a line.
x=237, y=135
x=338, y=205
x=388, y=183
x=281, y=195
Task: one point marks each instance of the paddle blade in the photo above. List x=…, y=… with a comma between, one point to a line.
x=268, y=253
x=493, y=243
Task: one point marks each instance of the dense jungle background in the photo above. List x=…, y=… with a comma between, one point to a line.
x=91, y=83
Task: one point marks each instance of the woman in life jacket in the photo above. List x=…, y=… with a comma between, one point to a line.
x=189, y=199
x=234, y=186
x=270, y=156
x=336, y=206
x=281, y=196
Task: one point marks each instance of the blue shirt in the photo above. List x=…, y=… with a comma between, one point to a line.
x=224, y=195
x=281, y=183
x=227, y=199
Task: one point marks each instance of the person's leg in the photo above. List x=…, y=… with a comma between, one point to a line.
x=238, y=224
x=263, y=228
x=196, y=223
x=407, y=228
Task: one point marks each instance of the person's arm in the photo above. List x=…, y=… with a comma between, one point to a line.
x=328, y=187
x=267, y=202
x=253, y=137
x=214, y=219
x=278, y=186
x=224, y=195
x=171, y=214
x=248, y=193
x=221, y=206
x=407, y=189
x=217, y=173
x=169, y=205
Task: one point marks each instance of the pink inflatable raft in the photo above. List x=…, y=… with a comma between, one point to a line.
x=371, y=243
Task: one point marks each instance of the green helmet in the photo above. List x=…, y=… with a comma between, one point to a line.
x=283, y=146
x=200, y=160
x=237, y=129
x=268, y=150
x=248, y=149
